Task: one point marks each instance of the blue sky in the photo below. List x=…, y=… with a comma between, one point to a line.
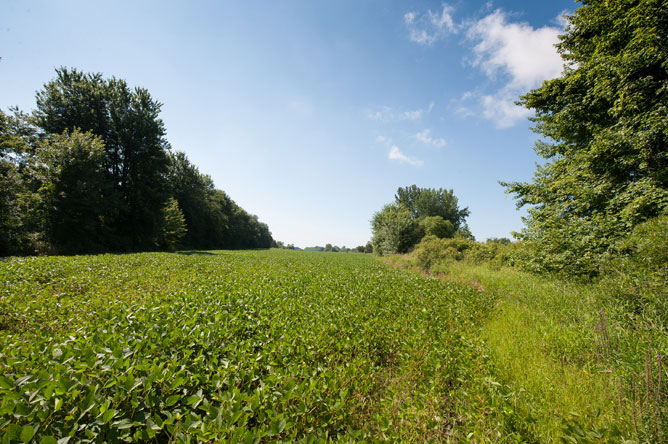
x=311, y=114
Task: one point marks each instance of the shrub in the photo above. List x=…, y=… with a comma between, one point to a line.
x=637, y=267
x=432, y=250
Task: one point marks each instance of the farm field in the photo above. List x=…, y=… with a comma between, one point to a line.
x=242, y=346
x=290, y=346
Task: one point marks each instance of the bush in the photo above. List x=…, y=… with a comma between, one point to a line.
x=432, y=250
x=637, y=268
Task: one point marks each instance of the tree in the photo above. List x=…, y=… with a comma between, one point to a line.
x=416, y=212
x=394, y=230
x=136, y=151
x=195, y=195
x=73, y=191
x=437, y=226
x=17, y=142
x=429, y=202
x=605, y=124
x=173, y=226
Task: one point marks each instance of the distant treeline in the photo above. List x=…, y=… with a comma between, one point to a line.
x=90, y=170
x=368, y=248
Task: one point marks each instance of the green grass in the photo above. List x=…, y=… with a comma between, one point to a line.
x=549, y=380
x=234, y=346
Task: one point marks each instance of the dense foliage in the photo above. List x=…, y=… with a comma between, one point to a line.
x=417, y=212
x=92, y=171
x=231, y=347
x=605, y=121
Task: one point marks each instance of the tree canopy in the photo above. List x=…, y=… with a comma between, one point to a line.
x=417, y=212
x=604, y=123
x=136, y=150
x=91, y=171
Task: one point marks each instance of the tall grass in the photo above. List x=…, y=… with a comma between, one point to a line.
x=567, y=360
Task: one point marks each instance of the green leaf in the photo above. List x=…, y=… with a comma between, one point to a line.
x=13, y=432
x=172, y=400
x=5, y=383
x=123, y=424
x=108, y=415
x=58, y=404
x=48, y=440
x=27, y=432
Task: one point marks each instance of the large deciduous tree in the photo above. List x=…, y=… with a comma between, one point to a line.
x=136, y=151
x=605, y=124
x=19, y=225
x=73, y=191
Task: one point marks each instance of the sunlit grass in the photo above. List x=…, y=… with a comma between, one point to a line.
x=546, y=379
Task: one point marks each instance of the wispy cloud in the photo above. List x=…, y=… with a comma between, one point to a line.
x=521, y=55
x=500, y=108
x=515, y=55
x=426, y=138
x=426, y=29
x=389, y=114
x=396, y=154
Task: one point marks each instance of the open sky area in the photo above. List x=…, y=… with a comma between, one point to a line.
x=310, y=114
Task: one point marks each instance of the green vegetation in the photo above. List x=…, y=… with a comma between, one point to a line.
x=91, y=171
x=568, y=360
x=558, y=337
x=239, y=346
x=283, y=345
x=605, y=122
x=417, y=212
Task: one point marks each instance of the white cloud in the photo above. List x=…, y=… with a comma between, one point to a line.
x=389, y=114
x=525, y=54
x=516, y=55
x=427, y=28
x=443, y=21
x=501, y=109
x=396, y=154
x=426, y=138
x=522, y=55
x=562, y=18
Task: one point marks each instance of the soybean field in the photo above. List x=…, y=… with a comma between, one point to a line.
x=247, y=346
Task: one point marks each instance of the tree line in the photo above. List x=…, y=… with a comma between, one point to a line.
x=90, y=170
x=329, y=248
